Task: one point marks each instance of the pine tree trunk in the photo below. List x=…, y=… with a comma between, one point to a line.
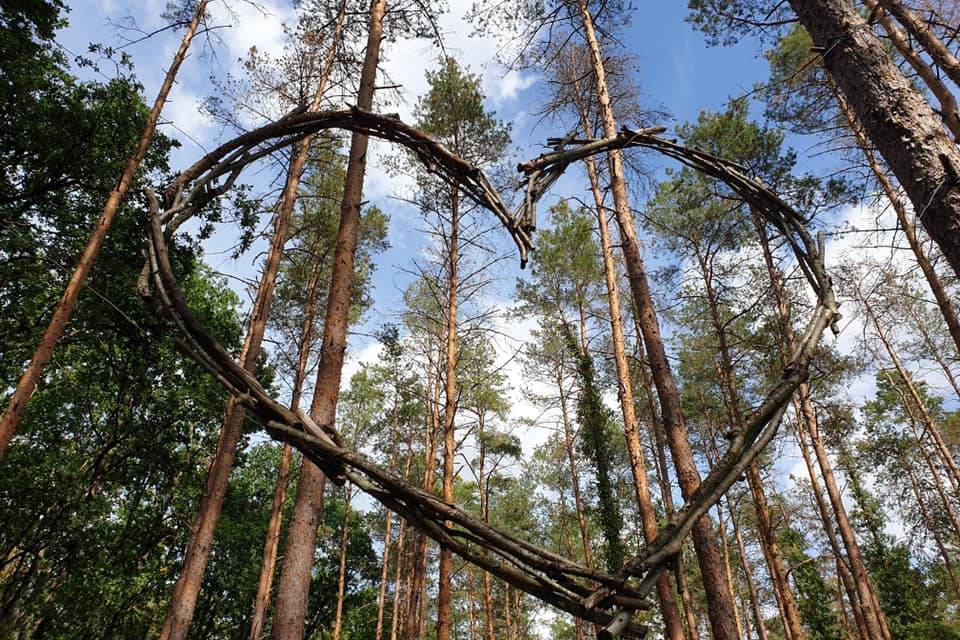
x=638, y=466
x=896, y=117
x=719, y=600
x=395, y=612
x=574, y=474
x=920, y=30
x=948, y=104
x=342, y=571
x=445, y=587
x=953, y=472
x=905, y=218
x=293, y=590
x=269, y=564
x=61, y=315
x=931, y=526
x=728, y=569
x=414, y=622
x=871, y=620
x=187, y=589
x=768, y=535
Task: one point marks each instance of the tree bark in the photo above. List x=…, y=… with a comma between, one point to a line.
x=720, y=604
x=342, y=571
x=748, y=575
x=948, y=103
x=897, y=118
x=61, y=315
x=294, y=587
x=574, y=474
x=942, y=298
x=445, y=579
x=920, y=30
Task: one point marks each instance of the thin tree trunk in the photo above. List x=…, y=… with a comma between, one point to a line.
x=720, y=604
x=928, y=422
x=768, y=535
x=728, y=569
x=574, y=474
x=445, y=587
x=905, y=218
x=920, y=30
x=187, y=589
x=932, y=528
x=948, y=103
x=414, y=621
x=61, y=315
x=638, y=466
x=748, y=575
x=294, y=587
x=342, y=573
x=871, y=617
x=269, y=564
x=896, y=117
x=828, y=528
x=395, y=612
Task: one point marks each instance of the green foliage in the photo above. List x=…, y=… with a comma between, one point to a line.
x=595, y=438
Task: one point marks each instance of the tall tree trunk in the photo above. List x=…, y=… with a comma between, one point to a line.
x=905, y=218
x=574, y=474
x=342, y=571
x=728, y=569
x=720, y=604
x=272, y=542
x=755, y=604
x=896, y=117
x=934, y=531
x=395, y=612
x=874, y=624
x=638, y=466
x=445, y=587
x=920, y=30
x=269, y=563
x=414, y=622
x=294, y=588
x=768, y=535
x=948, y=103
x=953, y=472
x=187, y=589
x=61, y=315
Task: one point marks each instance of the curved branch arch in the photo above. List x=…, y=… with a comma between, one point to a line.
x=586, y=593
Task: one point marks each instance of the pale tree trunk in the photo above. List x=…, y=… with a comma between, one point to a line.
x=293, y=590
x=948, y=103
x=896, y=117
x=940, y=295
x=388, y=525
x=932, y=528
x=414, y=623
x=187, y=589
x=768, y=535
x=342, y=572
x=61, y=315
x=482, y=489
x=445, y=579
x=574, y=474
x=872, y=622
x=720, y=604
x=928, y=422
x=920, y=30
x=668, y=605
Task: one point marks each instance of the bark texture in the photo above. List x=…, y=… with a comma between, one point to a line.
x=294, y=588
x=896, y=117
